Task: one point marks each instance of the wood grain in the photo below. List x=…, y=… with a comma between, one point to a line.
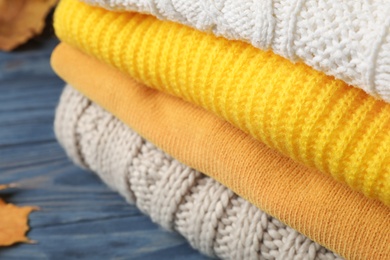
x=80, y=217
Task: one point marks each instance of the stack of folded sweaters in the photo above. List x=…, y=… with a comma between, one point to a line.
x=255, y=129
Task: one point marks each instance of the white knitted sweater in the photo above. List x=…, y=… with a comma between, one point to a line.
x=349, y=39
x=210, y=216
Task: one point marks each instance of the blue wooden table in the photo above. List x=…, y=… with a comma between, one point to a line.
x=80, y=217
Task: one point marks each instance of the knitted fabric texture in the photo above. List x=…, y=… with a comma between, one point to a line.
x=335, y=216
x=292, y=108
x=347, y=39
x=210, y=216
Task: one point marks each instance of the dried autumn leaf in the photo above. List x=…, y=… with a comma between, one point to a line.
x=20, y=20
x=13, y=222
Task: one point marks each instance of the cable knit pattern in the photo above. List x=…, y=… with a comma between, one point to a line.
x=210, y=216
x=292, y=108
x=347, y=39
x=334, y=216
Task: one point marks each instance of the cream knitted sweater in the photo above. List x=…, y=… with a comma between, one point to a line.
x=210, y=216
x=347, y=39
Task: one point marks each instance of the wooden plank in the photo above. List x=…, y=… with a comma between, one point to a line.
x=80, y=217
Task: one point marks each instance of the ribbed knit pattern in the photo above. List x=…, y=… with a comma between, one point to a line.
x=302, y=113
x=347, y=39
x=313, y=203
x=210, y=216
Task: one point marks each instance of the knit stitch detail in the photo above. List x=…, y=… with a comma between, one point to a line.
x=292, y=108
x=210, y=216
x=335, y=216
x=340, y=38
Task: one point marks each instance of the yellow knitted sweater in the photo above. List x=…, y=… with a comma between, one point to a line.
x=311, y=117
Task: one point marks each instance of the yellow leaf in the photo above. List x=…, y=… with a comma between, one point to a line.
x=20, y=20
x=13, y=222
